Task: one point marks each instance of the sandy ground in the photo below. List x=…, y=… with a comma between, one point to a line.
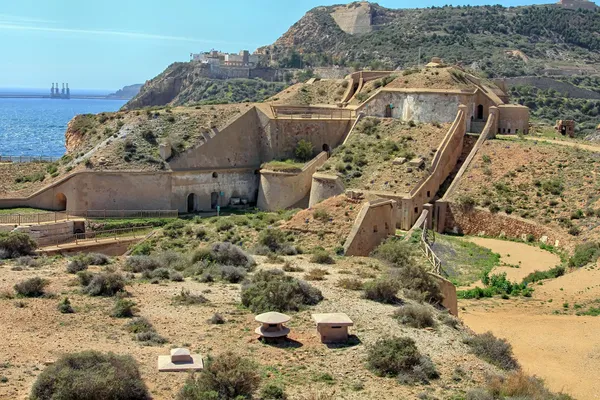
x=528, y=258
x=548, y=340
x=37, y=334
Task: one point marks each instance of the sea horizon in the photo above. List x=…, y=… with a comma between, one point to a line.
x=37, y=126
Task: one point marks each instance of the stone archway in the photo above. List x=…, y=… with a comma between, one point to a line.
x=191, y=203
x=61, y=202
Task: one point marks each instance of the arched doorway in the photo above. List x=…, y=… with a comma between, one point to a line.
x=326, y=149
x=214, y=200
x=388, y=111
x=61, y=202
x=191, y=203
x=480, y=111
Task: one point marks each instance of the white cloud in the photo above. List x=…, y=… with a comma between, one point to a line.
x=17, y=23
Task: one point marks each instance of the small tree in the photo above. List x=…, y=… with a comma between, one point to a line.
x=304, y=150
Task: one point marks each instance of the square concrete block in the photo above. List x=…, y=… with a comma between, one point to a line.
x=416, y=162
x=333, y=327
x=399, y=161
x=180, y=360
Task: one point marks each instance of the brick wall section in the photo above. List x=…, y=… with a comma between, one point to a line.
x=482, y=222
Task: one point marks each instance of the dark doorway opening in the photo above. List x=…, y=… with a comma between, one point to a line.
x=388, y=111
x=214, y=200
x=61, y=201
x=480, y=111
x=563, y=130
x=191, y=203
x=326, y=148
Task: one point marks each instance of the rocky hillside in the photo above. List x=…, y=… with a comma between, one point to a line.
x=496, y=40
x=128, y=92
x=183, y=84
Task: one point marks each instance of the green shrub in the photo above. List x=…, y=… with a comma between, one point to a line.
x=382, y=290
x=186, y=298
x=584, y=254
x=105, y=284
x=553, y=186
x=123, y=308
x=399, y=357
x=304, y=150
x=226, y=377
x=321, y=214
x=76, y=264
x=16, y=244
x=276, y=241
x=271, y=391
x=397, y=253
x=32, y=287
x=350, y=283
x=415, y=315
x=541, y=275
x=514, y=385
x=144, y=332
x=272, y=290
x=65, y=306
x=493, y=350
x=224, y=224
x=224, y=253
x=321, y=256
x=417, y=283
x=90, y=375
x=142, y=263
x=466, y=203
x=316, y=274
x=475, y=293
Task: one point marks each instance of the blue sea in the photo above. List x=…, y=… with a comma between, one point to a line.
x=36, y=127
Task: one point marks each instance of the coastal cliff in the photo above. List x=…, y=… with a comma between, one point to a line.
x=187, y=83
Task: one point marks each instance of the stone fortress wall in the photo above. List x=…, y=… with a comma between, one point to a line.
x=281, y=190
x=226, y=165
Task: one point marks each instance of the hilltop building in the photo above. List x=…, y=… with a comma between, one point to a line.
x=217, y=58
x=577, y=4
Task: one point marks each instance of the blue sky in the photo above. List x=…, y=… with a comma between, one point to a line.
x=111, y=43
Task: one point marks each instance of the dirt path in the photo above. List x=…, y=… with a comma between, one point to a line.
x=548, y=339
x=590, y=147
x=528, y=258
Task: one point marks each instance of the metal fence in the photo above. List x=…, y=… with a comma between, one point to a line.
x=287, y=112
x=28, y=159
x=93, y=237
x=40, y=218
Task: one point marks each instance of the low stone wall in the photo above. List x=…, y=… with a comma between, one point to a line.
x=280, y=190
x=448, y=290
x=479, y=221
x=323, y=187
x=375, y=222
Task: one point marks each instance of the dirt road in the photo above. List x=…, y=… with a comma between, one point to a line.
x=548, y=339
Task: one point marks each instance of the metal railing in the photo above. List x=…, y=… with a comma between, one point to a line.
x=287, y=112
x=426, y=248
x=40, y=218
x=32, y=218
x=28, y=159
x=93, y=237
x=124, y=214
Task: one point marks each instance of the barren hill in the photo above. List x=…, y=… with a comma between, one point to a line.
x=551, y=37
